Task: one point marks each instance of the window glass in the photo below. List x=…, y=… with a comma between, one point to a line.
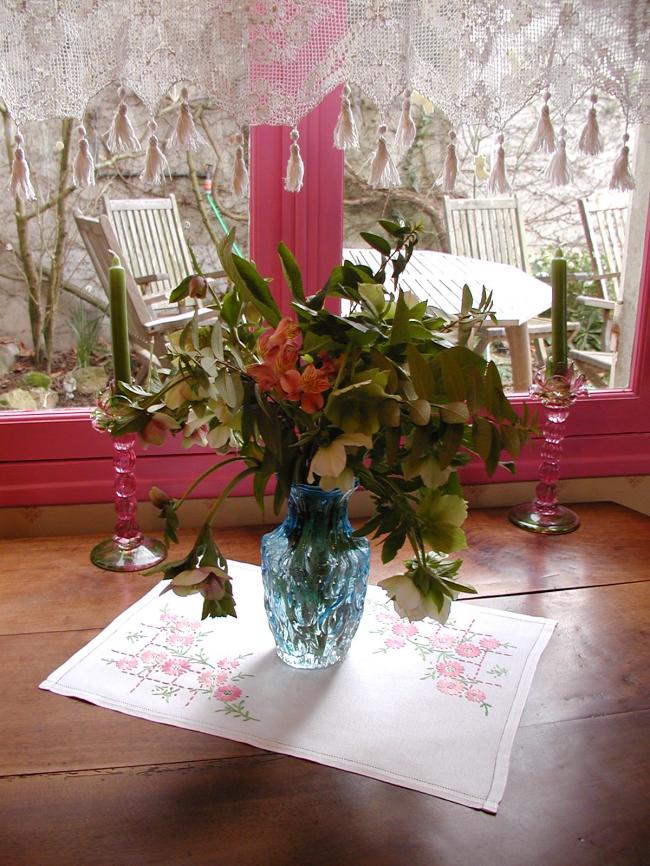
x=594, y=226
x=54, y=332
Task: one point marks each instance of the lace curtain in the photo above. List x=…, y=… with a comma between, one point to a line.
x=272, y=61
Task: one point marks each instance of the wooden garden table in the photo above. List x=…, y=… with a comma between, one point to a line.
x=84, y=786
x=439, y=277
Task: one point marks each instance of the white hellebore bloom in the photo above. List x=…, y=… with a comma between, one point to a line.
x=409, y=602
x=330, y=460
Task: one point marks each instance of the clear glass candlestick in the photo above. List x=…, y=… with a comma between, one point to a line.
x=128, y=549
x=545, y=514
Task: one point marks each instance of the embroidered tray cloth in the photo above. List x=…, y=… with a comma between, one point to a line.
x=429, y=707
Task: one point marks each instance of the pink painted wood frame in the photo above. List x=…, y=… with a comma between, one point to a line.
x=55, y=457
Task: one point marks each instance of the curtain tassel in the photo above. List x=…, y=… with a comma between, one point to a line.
x=405, y=134
x=346, y=135
x=83, y=168
x=121, y=136
x=544, y=140
x=239, y=183
x=295, y=166
x=185, y=135
x=383, y=171
x=155, y=163
x=559, y=172
x=450, y=167
x=622, y=178
x=20, y=184
x=498, y=180
x=590, y=142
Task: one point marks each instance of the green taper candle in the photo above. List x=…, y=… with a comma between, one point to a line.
x=119, y=322
x=559, y=348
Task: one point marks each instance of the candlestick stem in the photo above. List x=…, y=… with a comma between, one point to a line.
x=545, y=514
x=128, y=549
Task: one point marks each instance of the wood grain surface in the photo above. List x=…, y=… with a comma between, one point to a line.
x=80, y=785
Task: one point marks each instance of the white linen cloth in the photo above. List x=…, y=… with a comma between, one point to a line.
x=429, y=707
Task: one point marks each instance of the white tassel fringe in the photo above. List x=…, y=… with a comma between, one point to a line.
x=498, y=180
x=450, y=168
x=83, y=168
x=590, y=142
x=383, y=171
x=239, y=183
x=544, y=140
x=405, y=134
x=121, y=136
x=559, y=171
x=155, y=164
x=185, y=135
x=20, y=184
x=295, y=166
x=346, y=135
x=622, y=178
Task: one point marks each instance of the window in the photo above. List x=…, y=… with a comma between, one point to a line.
x=50, y=458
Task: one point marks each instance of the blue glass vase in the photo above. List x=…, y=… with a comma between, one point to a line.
x=315, y=574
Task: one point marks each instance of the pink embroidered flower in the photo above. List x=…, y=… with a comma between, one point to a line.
x=475, y=695
x=221, y=677
x=183, y=640
x=186, y=624
x=176, y=667
x=228, y=664
x=207, y=679
x=384, y=616
x=127, y=664
x=405, y=629
x=450, y=687
x=489, y=643
x=395, y=642
x=442, y=641
x=468, y=650
x=153, y=657
x=450, y=668
x=227, y=693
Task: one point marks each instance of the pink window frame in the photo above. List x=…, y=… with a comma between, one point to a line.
x=53, y=458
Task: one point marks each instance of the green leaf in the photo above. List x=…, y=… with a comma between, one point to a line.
x=392, y=228
x=254, y=288
x=452, y=377
x=482, y=437
x=376, y=242
x=291, y=272
x=511, y=440
x=230, y=308
x=181, y=291
x=421, y=374
x=400, y=331
x=393, y=544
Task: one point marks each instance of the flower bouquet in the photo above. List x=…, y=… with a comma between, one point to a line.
x=387, y=397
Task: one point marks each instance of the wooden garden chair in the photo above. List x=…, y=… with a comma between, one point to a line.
x=148, y=321
x=150, y=233
x=604, y=220
x=492, y=229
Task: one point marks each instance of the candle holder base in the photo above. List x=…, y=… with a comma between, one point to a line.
x=558, y=522
x=113, y=556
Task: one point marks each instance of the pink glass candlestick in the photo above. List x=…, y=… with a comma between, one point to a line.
x=545, y=514
x=128, y=549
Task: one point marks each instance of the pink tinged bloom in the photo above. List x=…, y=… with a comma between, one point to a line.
x=475, y=695
x=155, y=430
x=129, y=664
x=450, y=668
x=468, y=650
x=176, y=667
x=449, y=687
x=489, y=643
x=442, y=641
x=395, y=642
x=227, y=693
x=406, y=629
x=153, y=657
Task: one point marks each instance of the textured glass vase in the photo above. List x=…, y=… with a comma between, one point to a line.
x=315, y=576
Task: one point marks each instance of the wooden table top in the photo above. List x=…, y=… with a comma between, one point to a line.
x=84, y=786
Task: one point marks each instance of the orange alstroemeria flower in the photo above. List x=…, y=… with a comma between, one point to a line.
x=265, y=375
x=271, y=342
x=306, y=387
